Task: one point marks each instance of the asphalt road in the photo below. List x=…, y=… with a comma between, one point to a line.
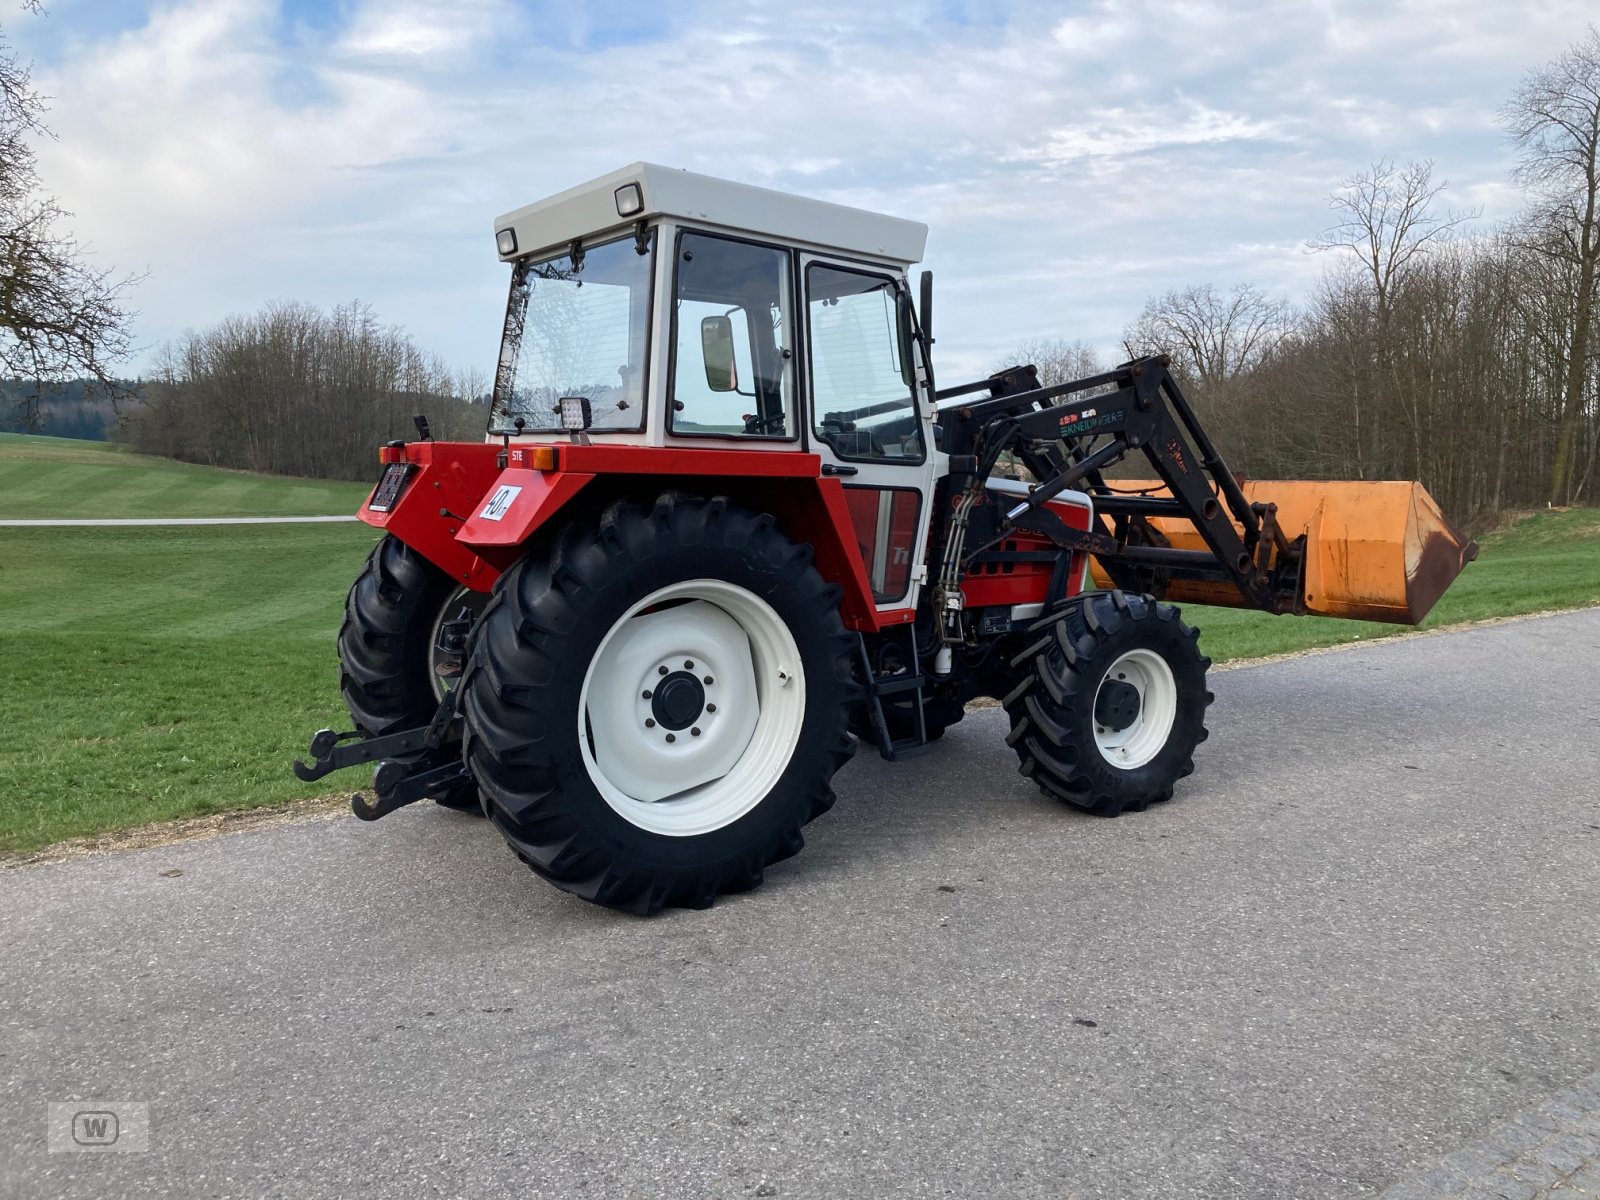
x=1362, y=935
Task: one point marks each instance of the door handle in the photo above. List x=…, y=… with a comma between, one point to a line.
x=832, y=469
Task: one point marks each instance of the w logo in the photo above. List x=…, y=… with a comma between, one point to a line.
x=95, y=1128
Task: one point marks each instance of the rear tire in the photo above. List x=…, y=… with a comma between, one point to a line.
x=636, y=800
x=1110, y=704
x=391, y=618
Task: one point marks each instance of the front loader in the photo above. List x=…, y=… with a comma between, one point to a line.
x=725, y=527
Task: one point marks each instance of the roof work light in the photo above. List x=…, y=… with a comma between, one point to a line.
x=576, y=415
x=630, y=200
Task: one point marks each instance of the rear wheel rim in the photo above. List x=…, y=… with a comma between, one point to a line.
x=691, y=707
x=441, y=678
x=1140, y=741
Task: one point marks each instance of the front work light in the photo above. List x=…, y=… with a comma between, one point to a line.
x=506, y=241
x=630, y=200
x=575, y=413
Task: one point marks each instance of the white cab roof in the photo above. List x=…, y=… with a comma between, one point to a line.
x=591, y=208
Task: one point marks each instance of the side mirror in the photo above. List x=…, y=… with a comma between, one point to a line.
x=716, y=345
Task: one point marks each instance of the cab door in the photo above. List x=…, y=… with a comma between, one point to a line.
x=870, y=417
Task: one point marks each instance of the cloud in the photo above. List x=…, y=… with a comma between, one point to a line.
x=432, y=36
x=1069, y=166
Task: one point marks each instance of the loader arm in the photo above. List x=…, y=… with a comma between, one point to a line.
x=1194, y=532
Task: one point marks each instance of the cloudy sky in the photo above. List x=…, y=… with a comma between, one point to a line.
x=1071, y=158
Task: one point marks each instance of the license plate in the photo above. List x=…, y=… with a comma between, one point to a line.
x=390, y=485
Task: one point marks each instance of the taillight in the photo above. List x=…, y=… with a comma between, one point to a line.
x=537, y=458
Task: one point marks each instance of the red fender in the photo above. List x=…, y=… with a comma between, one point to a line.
x=518, y=502
x=503, y=508
x=446, y=481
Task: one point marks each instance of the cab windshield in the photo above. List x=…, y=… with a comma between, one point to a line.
x=576, y=325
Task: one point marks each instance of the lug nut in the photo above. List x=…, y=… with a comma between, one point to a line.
x=648, y=693
x=649, y=722
x=688, y=664
x=708, y=681
x=661, y=670
x=672, y=737
x=695, y=732
x=711, y=708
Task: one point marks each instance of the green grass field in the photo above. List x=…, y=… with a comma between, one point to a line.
x=155, y=673
x=43, y=477
x=164, y=672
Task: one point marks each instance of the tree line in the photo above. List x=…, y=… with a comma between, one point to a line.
x=73, y=408
x=1429, y=349
x=293, y=390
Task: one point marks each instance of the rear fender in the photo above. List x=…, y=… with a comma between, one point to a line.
x=447, y=481
x=520, y=503
x=516, y=505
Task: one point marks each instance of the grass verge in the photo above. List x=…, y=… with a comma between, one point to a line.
x=155, y=673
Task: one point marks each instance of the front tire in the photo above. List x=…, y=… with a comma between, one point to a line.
x=1111, y=702
x=656, y=703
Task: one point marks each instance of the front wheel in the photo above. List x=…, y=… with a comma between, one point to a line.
x=1110, y=704
x=656, y=703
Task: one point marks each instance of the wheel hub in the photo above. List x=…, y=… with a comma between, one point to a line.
x=677, y=702
x=1135, y=707
x=1117, y=705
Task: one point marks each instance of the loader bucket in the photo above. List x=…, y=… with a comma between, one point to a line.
x=1374, y=551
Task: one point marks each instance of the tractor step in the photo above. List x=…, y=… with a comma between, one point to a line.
x=894, y=685
x=904, y=749
x=900, y=683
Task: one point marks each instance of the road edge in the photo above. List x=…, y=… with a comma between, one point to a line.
x=184, y=829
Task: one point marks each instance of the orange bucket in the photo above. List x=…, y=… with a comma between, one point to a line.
x=1374, y=551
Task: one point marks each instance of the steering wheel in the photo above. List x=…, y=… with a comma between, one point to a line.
x=774, y=425
x=850, y=442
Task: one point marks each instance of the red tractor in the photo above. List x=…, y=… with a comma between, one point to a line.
x=724, y=526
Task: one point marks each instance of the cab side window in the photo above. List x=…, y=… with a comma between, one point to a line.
x=863, y=402
x=732, y=375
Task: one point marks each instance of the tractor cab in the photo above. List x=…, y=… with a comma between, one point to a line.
x=659, y=308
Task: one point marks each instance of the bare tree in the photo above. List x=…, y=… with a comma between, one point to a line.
x=1387, y=219
x=60, y=317
x=295, y=391
x=1387, y=224
x=1554, y=119
x=1216, y=335
x=1058, y=360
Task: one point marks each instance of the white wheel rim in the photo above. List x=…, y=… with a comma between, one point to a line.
x=1149, y=675
x=719, y=765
